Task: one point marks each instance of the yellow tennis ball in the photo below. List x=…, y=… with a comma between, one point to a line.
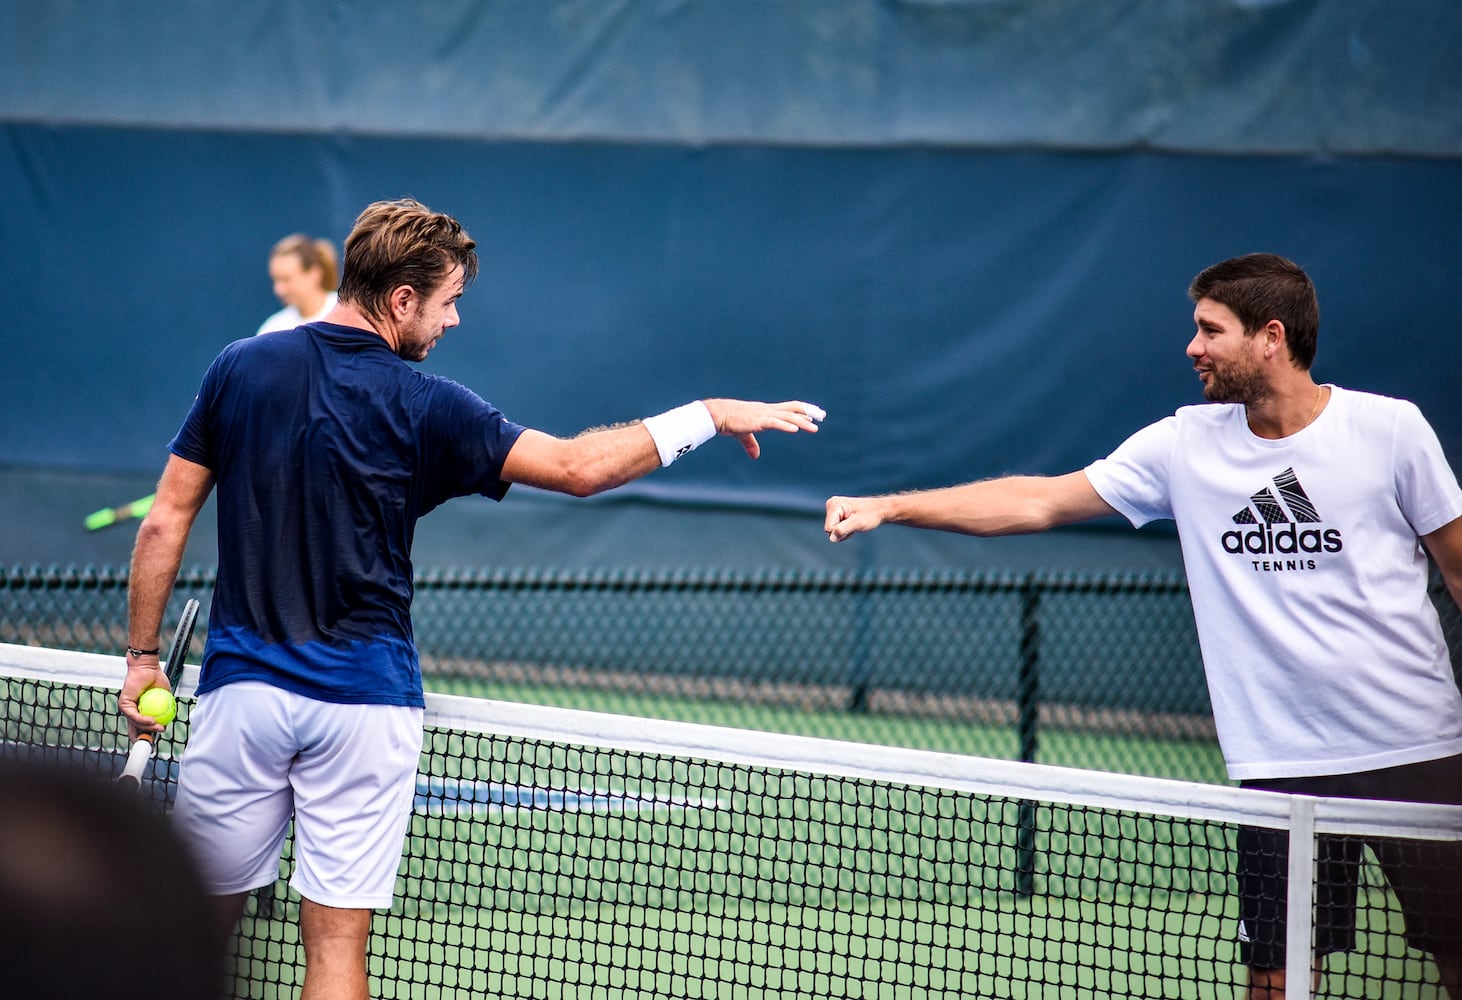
x=158, y=703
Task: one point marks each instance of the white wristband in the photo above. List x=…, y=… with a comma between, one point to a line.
x=680, y=430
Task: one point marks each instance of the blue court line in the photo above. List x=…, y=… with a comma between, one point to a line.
x=434, y=796
x=461, y=797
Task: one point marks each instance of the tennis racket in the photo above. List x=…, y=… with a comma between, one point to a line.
x=142, y=750
x=112, y=515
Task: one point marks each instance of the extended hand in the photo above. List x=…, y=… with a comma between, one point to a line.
x=742, y=419
x=846, y=516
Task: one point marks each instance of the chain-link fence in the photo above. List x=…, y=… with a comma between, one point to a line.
x=1092, y=670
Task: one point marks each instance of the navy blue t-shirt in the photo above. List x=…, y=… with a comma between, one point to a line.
x=326, y=448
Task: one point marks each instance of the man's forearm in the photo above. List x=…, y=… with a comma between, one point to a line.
x=1007, y=506
x=603, y=458
x=1011, y=505
x=155, y=561
x=161, y=539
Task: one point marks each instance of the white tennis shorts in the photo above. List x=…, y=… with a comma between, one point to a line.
x=258, y=755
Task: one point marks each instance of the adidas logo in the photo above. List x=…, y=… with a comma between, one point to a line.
x=1279, y=513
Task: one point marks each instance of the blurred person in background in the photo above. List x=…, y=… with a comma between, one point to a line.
x=305, y=273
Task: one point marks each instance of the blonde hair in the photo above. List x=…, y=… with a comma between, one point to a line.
x=312, y=254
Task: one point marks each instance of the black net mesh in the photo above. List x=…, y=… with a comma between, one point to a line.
x=540, y=868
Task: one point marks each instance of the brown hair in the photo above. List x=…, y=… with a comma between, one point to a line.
x=312, y=254
x=402, y=242
x=1259, y=287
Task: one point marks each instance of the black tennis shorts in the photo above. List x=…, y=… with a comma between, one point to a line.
x=1426, y=876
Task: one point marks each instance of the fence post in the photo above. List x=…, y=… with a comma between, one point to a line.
x=858, y=675
x=860, y=668
x=1028, y=695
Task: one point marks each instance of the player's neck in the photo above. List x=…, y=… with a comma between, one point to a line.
x=1288, y=411
x=345, y=314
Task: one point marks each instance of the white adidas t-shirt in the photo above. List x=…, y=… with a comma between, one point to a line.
x=1323, y=652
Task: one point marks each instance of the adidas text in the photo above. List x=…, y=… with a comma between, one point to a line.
x=1287, y=539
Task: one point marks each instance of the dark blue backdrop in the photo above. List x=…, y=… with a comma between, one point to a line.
x=963, y=227
x=960, y=313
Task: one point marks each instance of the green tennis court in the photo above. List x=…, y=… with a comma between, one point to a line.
x=537, y=868
x=670, y=878
x=566, y=854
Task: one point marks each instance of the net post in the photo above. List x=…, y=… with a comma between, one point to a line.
x=1028, y=706
x=1300, y=902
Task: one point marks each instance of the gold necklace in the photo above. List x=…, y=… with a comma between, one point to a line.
x=1319, y=391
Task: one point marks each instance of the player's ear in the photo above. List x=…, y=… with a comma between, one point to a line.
x=401, y=301
x=1275, y=338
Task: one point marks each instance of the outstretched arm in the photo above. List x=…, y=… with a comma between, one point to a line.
x=1013, y=505
x=161, y=538
x=601, y=459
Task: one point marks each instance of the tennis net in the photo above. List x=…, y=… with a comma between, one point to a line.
x=556, y=853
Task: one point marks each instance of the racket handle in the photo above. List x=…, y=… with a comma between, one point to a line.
x=137, y=759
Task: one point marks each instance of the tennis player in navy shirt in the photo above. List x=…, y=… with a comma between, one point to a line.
x=326, y=447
